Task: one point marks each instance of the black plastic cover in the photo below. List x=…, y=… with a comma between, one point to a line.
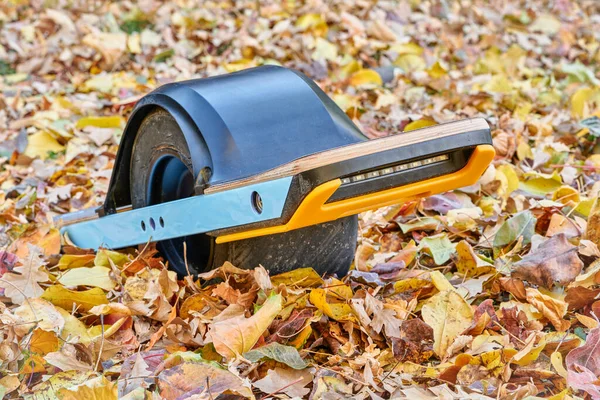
x=240, y=124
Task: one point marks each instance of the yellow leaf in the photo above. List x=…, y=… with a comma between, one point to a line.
x=541, y=184
x=587, y=321
x=468, y=263
x=509, y=179
x=74, y=330
x=529, y=353
x=324, y=50
x=418, y=124
x=76, y=261
x=101, y=389
x=103, y=256
x=314, y=23
x=407, y=48
x=337, y=311
x=410, y=63
x=579, y=100
x=498, y=84
x=349, y=69
x=366, y=77
x=524, y=151
x=32, y=364
x=43, y=342
x=556, y=360
x=40, y=144
x=437, y=71
x=566, y=194
x=65, y=298
x=449, y=315
x=339, y=289
x=238, y=334
x=114, y=121
x=410, y=284
x=302, y=277
x=440, y=282
x=585, y=206
x=95, y=276
x=301, y=338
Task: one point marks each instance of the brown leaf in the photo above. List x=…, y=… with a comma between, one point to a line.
x=514, y=287
x=199, y=378
x=555, y=262
x=579, y=297
x=288, y=329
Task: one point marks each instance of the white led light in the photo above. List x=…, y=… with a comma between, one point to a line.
x=396, y=168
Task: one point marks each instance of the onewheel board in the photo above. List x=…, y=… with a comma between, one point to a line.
x=261, y=167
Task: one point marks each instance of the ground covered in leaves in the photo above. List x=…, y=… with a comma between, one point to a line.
x=487, y=292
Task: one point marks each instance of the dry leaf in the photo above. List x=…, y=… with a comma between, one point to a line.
x=24, y=284
x=449, y=315
x=238, y=334
x=554, y=262
x=551, y=308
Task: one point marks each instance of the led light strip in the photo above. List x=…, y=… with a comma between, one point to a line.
x=396, y=168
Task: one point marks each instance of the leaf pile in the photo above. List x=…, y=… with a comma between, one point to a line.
x=491, y=291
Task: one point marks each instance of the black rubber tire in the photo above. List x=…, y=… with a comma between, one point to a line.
x=161, y=171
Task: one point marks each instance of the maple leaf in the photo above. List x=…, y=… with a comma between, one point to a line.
x=24, y=281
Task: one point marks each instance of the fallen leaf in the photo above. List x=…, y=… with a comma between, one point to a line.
x=237, y=335
x=100, y=389
x=40, y=314
x=25, y=283
x=94, y=276
x=583, y=365
x=439, y=246
x=41, y=144
x=366, y=77
x=284, y=380
x=520, y=225
x=83, y=300
x=302, y=277
x=551, y=308
x=449, y=315
x=554, y=262
x=199, y=378
x=468, y=263
x=66, y=360
x=284, y=354
x=43, y=342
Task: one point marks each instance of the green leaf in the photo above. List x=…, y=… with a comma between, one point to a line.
x=278, y=352
x=593, y=125
x=439, y=246
x=519, y=225
x=164, y=56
